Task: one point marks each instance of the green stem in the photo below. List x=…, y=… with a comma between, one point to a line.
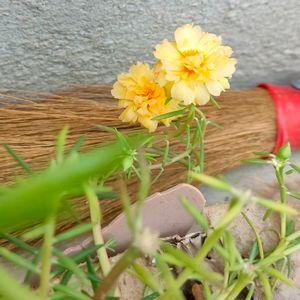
x=95, y=213
x=239, y=285
x=173, y=160
x=110, y=280
x=46, y=257
x=202, y=128
x=280, y=178
x=258, y=239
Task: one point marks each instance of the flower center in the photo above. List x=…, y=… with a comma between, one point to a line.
x=194, y=65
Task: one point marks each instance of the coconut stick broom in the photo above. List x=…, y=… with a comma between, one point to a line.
x=247, y=118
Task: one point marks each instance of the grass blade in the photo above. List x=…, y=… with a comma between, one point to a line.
x=19, y=243
x=17, y=158
x=60, y=145
x=195, y=213
x=71, y=292
x=73, y=232
x=75, y=147
x=146, y=276
x=70, y=264
x=11, y=289
x=92, y=274
x=18, y=260
x=275, y=206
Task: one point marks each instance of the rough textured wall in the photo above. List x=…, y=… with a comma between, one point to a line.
x=45, y=44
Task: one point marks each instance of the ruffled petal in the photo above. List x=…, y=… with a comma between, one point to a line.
x=167, y=51
x=214, y=87
x=187, y=37
x=129, y=115
x=182, y=91
x=202, y=94
x=148, y=123
x=119, y=91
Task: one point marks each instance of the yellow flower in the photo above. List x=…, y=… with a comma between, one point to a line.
x=197, y=63
x=142, y=97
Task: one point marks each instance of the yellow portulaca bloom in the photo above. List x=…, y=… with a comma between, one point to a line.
x=197, y=64
x=142, y=97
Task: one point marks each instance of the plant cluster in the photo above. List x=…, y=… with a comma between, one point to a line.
x=188, y=72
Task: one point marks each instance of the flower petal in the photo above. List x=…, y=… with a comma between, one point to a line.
x=129, y=115
x=214, y=87
x=182, y=91
x=167, y=51
x=119, y=91
x=148, y=123
x=202, y=94
x=187, y=37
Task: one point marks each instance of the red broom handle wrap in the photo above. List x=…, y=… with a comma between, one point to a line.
x=286, y=100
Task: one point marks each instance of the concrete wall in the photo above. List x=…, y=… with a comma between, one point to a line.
x=46, y=44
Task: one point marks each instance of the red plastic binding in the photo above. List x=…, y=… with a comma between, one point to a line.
x=287, y=103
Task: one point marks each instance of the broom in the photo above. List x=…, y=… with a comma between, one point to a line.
x=247, y=120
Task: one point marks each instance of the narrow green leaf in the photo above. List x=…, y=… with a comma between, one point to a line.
x=278, y=275
x=275, y=206
x=146, y=276
x=195, y=213
x=250, y=292
x=189, y=262
x=214, y=102
x=92, y=274
x=253, y=252
x=169, y=115
x=70, y=292
x=18, y=260
x=17, y=158
x=267, y=214
x=151, y=156
x=79, y=257
x=257, y=161
x=106, y=129
x=34, y=233
x=295, y=167
x=42, y=190
x=213, y=124
x=70, y=264
x=11, y=289
x=265, y=285
x=60, y=144
x=294, y=195
x=29, y=274
x=166, y=153
x=66, y=278
x=166, y=274
x=75, y=147
x=108, y=195
x=290, y=226
x=211, y=181
x=291, y=171
x=152, y=296
x=255, y=231
x=19, y=243
x=230, y=246
x=263, y=154
x=234, y=210
x=73, y=232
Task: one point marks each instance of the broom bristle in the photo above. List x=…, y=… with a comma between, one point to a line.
x=30, y=126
